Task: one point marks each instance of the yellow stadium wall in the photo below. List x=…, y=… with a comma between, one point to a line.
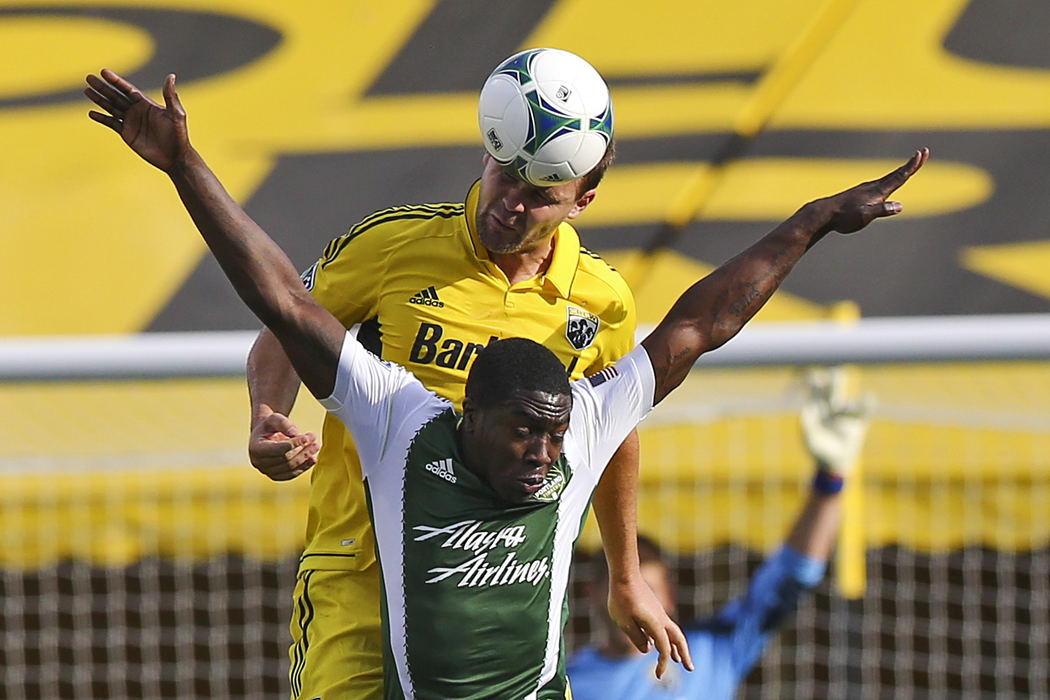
x=110, y=472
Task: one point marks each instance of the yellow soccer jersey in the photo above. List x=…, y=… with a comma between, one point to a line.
x=421, y=284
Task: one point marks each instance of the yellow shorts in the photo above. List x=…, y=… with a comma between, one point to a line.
x=337, y=645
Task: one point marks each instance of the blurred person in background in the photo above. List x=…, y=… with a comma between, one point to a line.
x=726, y=646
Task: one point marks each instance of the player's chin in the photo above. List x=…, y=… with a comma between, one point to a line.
x=499, y=238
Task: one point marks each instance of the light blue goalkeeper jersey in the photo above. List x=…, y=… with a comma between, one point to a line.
x=724, y=647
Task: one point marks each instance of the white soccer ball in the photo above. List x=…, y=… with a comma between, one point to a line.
x=546, y=115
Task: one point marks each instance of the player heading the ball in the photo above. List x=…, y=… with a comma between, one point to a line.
x=546, y=115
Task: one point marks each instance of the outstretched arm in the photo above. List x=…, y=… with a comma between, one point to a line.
x=261, y=273
x=715, y=309
x=833, y=428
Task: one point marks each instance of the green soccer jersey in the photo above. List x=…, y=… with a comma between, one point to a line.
x=474, y=588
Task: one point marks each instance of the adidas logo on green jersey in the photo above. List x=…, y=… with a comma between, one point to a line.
x=443, y=468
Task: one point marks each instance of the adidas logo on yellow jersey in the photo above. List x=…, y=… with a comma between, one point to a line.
x=427, y=297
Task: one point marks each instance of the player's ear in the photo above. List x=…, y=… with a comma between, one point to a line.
x=581, y=203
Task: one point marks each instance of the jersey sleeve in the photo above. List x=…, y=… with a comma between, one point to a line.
x=617, y=337
x=623, y=335
x=608, y=405
x=745, y=625
x=373, y=397
x=347, y=278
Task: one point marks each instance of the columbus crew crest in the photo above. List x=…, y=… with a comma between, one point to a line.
x=580, y=327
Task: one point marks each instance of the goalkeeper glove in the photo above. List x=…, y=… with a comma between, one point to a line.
x=833, y=427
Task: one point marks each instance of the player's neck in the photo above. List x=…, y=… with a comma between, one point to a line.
x=525, y=265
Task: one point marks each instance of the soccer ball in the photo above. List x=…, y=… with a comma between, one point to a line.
x=545, y=114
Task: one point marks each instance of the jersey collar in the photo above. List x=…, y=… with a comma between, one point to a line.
x=564, y=262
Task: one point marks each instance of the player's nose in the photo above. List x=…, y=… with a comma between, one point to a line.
x=541, y=452
x=513, y=199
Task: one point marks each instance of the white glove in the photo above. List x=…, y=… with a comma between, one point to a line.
x=833, y=427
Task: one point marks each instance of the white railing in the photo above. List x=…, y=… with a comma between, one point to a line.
x=204, y=354
x=866, y=341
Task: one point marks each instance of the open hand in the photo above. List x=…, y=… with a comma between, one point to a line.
x=638, y=612
x=858, y=206
x=833, y=425
x=157, y=133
